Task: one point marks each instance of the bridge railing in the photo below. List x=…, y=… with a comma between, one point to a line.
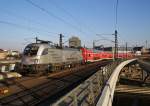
x=106, y=98
x=88, y=92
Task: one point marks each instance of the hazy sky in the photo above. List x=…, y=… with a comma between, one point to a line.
x=20, y=21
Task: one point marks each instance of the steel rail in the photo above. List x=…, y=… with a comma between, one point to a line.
x=42, y=88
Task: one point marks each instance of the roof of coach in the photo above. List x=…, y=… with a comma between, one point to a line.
x=53, y=46
x=71, y=49
x=39, y=44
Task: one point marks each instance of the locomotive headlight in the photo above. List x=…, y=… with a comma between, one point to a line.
x=36, y=61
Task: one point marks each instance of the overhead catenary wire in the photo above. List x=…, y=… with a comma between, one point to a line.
x=116, y=32
x=79, y=23
x=116, y=15
x=55, y=16
x=65, y=11
x=23, y=27
x=15, y=25
x=115, y=24
x=101, y=35
x=26, y=19
x=21, y=17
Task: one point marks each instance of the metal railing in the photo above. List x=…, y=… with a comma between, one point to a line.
x=88, y=92
x=106, y=98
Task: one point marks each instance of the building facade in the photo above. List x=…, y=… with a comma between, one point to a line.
x=74, y=42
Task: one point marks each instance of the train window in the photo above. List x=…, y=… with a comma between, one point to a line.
x=31, y=50
x=45, y=51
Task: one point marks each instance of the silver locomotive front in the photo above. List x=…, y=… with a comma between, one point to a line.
x=31, y=59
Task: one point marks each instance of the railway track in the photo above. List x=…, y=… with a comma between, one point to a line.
x=52, y=88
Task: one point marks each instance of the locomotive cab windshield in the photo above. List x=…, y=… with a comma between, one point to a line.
x=31, y=50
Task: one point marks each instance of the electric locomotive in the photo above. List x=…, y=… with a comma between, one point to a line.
x=43, y=57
